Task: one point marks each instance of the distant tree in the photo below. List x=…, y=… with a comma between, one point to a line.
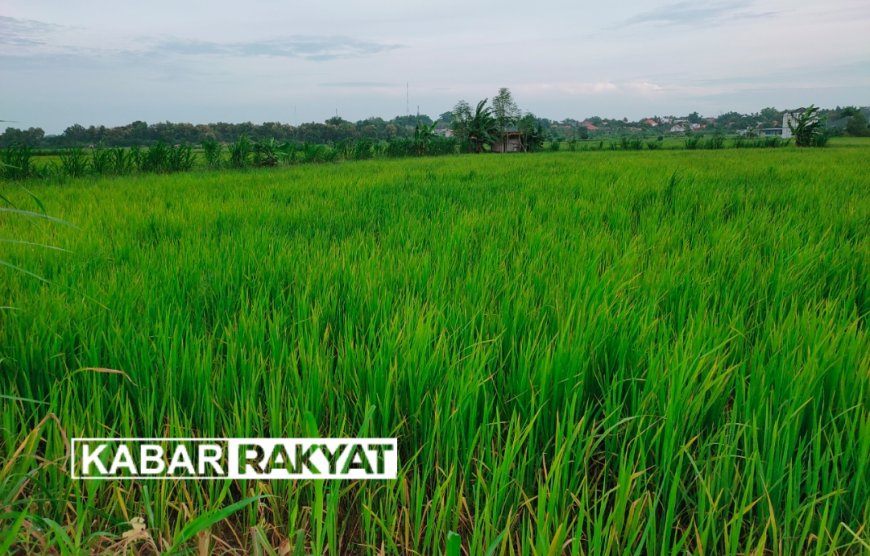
x=856, y=126
x=531, y=132
x=75, y=134
x=505, y=112
x=694, y=118
x=412, y=121
x=423, y=135
x=31, y=137
x=459, y=119
x=477, y=128
x=769, y=116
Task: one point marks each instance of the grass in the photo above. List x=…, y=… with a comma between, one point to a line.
x=609, y=353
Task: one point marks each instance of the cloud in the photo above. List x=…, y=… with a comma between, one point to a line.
x=35, y=39
x=358, y=84
x=305, y=47
x=570, y=88
x=691, y=13
x=24, y=32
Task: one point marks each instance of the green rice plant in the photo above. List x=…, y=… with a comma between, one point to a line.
x=596, y=358
x=653, y=145
x=740, y=142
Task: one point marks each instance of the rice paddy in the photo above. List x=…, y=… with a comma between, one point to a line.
x=579, y=353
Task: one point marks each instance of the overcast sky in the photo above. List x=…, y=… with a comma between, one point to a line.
x=112, y=62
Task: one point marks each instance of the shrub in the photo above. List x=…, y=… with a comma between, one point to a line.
x=770, y=142
x=324, y=153
x=137, y=158
x=73, y=162
x=212, y=150
x=265, y=153
x=362, y=149
x=820, y=139
x=240, y=152
x=715, y=142
x=100, y=160
x=16, y=162
x=179, y=158
x=121, y=161
x=400, y=148
x=155, y=158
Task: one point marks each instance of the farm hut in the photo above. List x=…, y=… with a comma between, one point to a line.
x=511, y=142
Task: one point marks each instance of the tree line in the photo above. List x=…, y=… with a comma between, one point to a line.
x=140, y=133
x=466, y=122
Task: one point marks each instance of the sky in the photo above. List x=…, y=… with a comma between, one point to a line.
x=103, y=62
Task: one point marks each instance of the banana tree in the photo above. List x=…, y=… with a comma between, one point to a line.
x=807, y=128
x=423, y=135
x=482, y=127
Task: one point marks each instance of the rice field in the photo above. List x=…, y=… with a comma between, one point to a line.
x=579, y=353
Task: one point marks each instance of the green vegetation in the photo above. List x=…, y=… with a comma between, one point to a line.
x=849, y=120
x=475, y=132
x=617, y=352
x=808, y=130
